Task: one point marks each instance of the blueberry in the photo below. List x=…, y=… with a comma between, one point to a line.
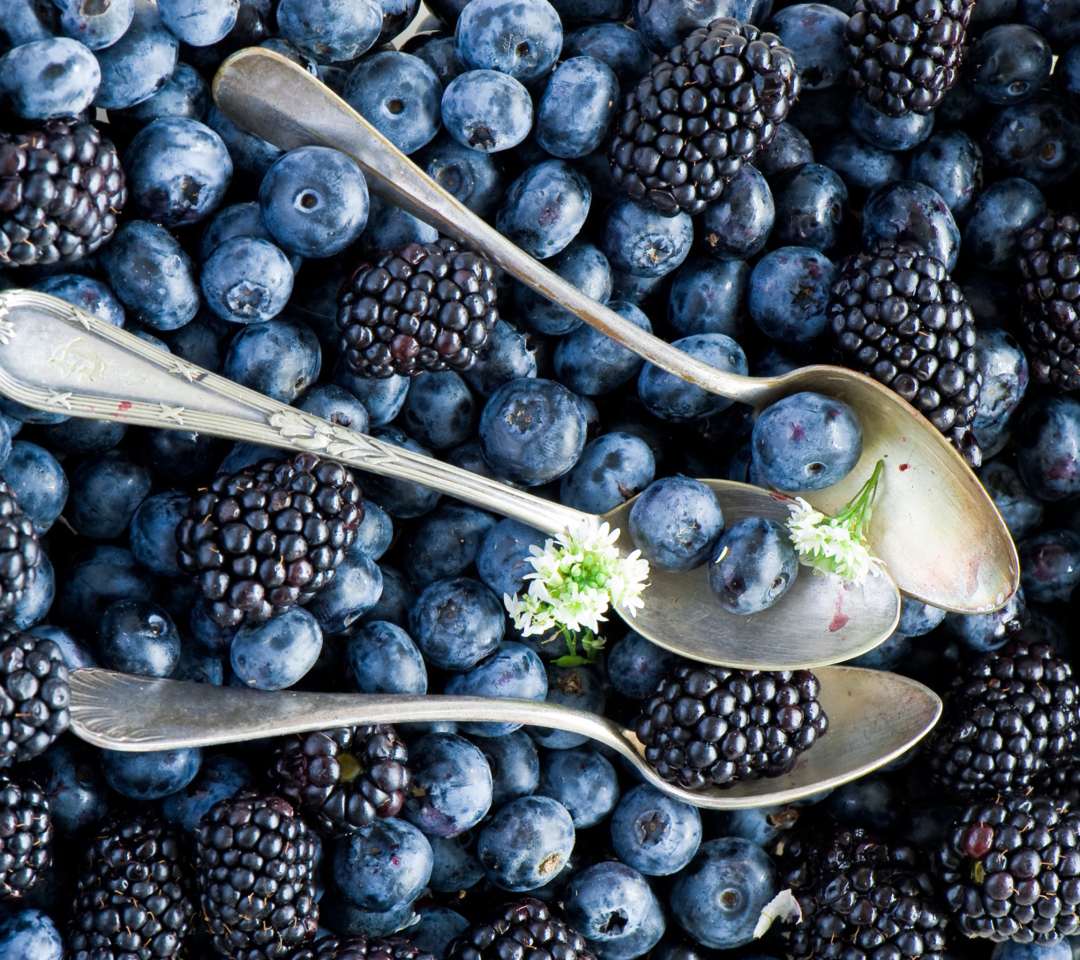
x=676, y=522
x=806, y=442
x=375, y=533
x=314, y=201
x=580, y=264
x=760, y=825
x=506, y=357
x=581, y=780
x=1038, y=140
x=94, y=25
x=470, y=175
x=276, y=654
x=388, y=228
x=888, y=133
x=607, y=901
x=887, y=655
x=1000, y=215
x=788, y=150
x=917, y=618
x=95, y=578
x=869, y=800
x=664, y=23
x=38, y=482
x=487, y=111
x=439, y=411
x=339, y=407
x=151, y=275
x=590, y=363
x=862, y=166
x=37, y=602
x=577, y=108
x=1011, y=950
x=653, y=833
x=811, y=205
x=73, y=782
x=718, y=897
x=355, y=589
x=138, y=637
x=400, y=96
x=1050, y=565
x=630, y=946
x=612, y=469
x=280, y=358
x=178, y=454
x=46, y=79
x=105, y=492
x=752, y=566
x=30, y=935
x=150, y=775
x=1022, y=512
x=521, y=39
x=514, y=764
x=613, y=44
x=950, y=163
x=332, y=30
x=350, y=920
x=388, y=865
x=637, y=239
x=451, y=785
x=383, y=399
x=219, y=778
x=199, y=22
x=736, y=225
x=139, y=64
x=252, y=156
x=397, y=599
x=194, y=666
x=28, y=20
x=709, y=296
x=247, y=280
x=91, y=295
x=526, y=843
x=1048, y=448
x=814, y=32
x=382, y=658
x=577, y=687
x=437, y=927
x=636, y=665
x=438, y=52
x=1009, y=63
x=513, y=671
x=789, y=292
x=185, y=94
x=456, y=623
x=982, y=632
x=1004, y=370
x=532, y=430
x=503, y=557
x=672, y=398
x=454, y=865
x=445, y=542
x=545, y=208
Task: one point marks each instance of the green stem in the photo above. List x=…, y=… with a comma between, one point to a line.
x=858, y=511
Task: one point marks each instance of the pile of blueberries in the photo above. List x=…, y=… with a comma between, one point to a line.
x=231, y=254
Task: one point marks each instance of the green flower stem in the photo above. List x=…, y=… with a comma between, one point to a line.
x=858, y=511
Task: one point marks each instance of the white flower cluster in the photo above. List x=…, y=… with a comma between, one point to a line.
x=830, y=545
x=575, y=578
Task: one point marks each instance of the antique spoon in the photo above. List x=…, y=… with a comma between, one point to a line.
x=54, y=356
x=934, y=526
x=873, y=717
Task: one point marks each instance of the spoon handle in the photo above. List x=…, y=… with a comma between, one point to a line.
x=56, y=357
x=118, y=711
x=268, y=95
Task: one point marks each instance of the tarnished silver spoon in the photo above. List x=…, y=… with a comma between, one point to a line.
x=54, y=356
x=934, y=526
x=873, y=718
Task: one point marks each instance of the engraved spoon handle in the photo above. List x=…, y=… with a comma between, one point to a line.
x=268, y=95
x=56, y=357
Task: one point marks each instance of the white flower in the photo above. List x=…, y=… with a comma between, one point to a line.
x=574, y=580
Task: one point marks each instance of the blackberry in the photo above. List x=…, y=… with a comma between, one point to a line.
x=61, y=189
x=702, y=111
x=34, y=695
x=254, y=863
x=895, y=315
x=342, y=779
x=1011, y=720
x=362, y=948
x=708, y=725
x=20, y=552
x=427, y=306
x=1050, y=265
x=269, y=537
x=905, y=54
x=26, y=833
x=862, y=898
x=133, y=899
x=1011, y=869
x=525, y=928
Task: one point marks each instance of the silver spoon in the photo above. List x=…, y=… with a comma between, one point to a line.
x=873, y=717
x=934, y=525
x=54, y=356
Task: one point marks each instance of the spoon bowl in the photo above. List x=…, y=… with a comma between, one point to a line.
x=874, y=717
x=54, y=356
x=934, y=526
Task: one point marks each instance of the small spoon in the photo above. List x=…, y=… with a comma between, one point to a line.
x=934, y=526
x=54, y=356
x=873, y=717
